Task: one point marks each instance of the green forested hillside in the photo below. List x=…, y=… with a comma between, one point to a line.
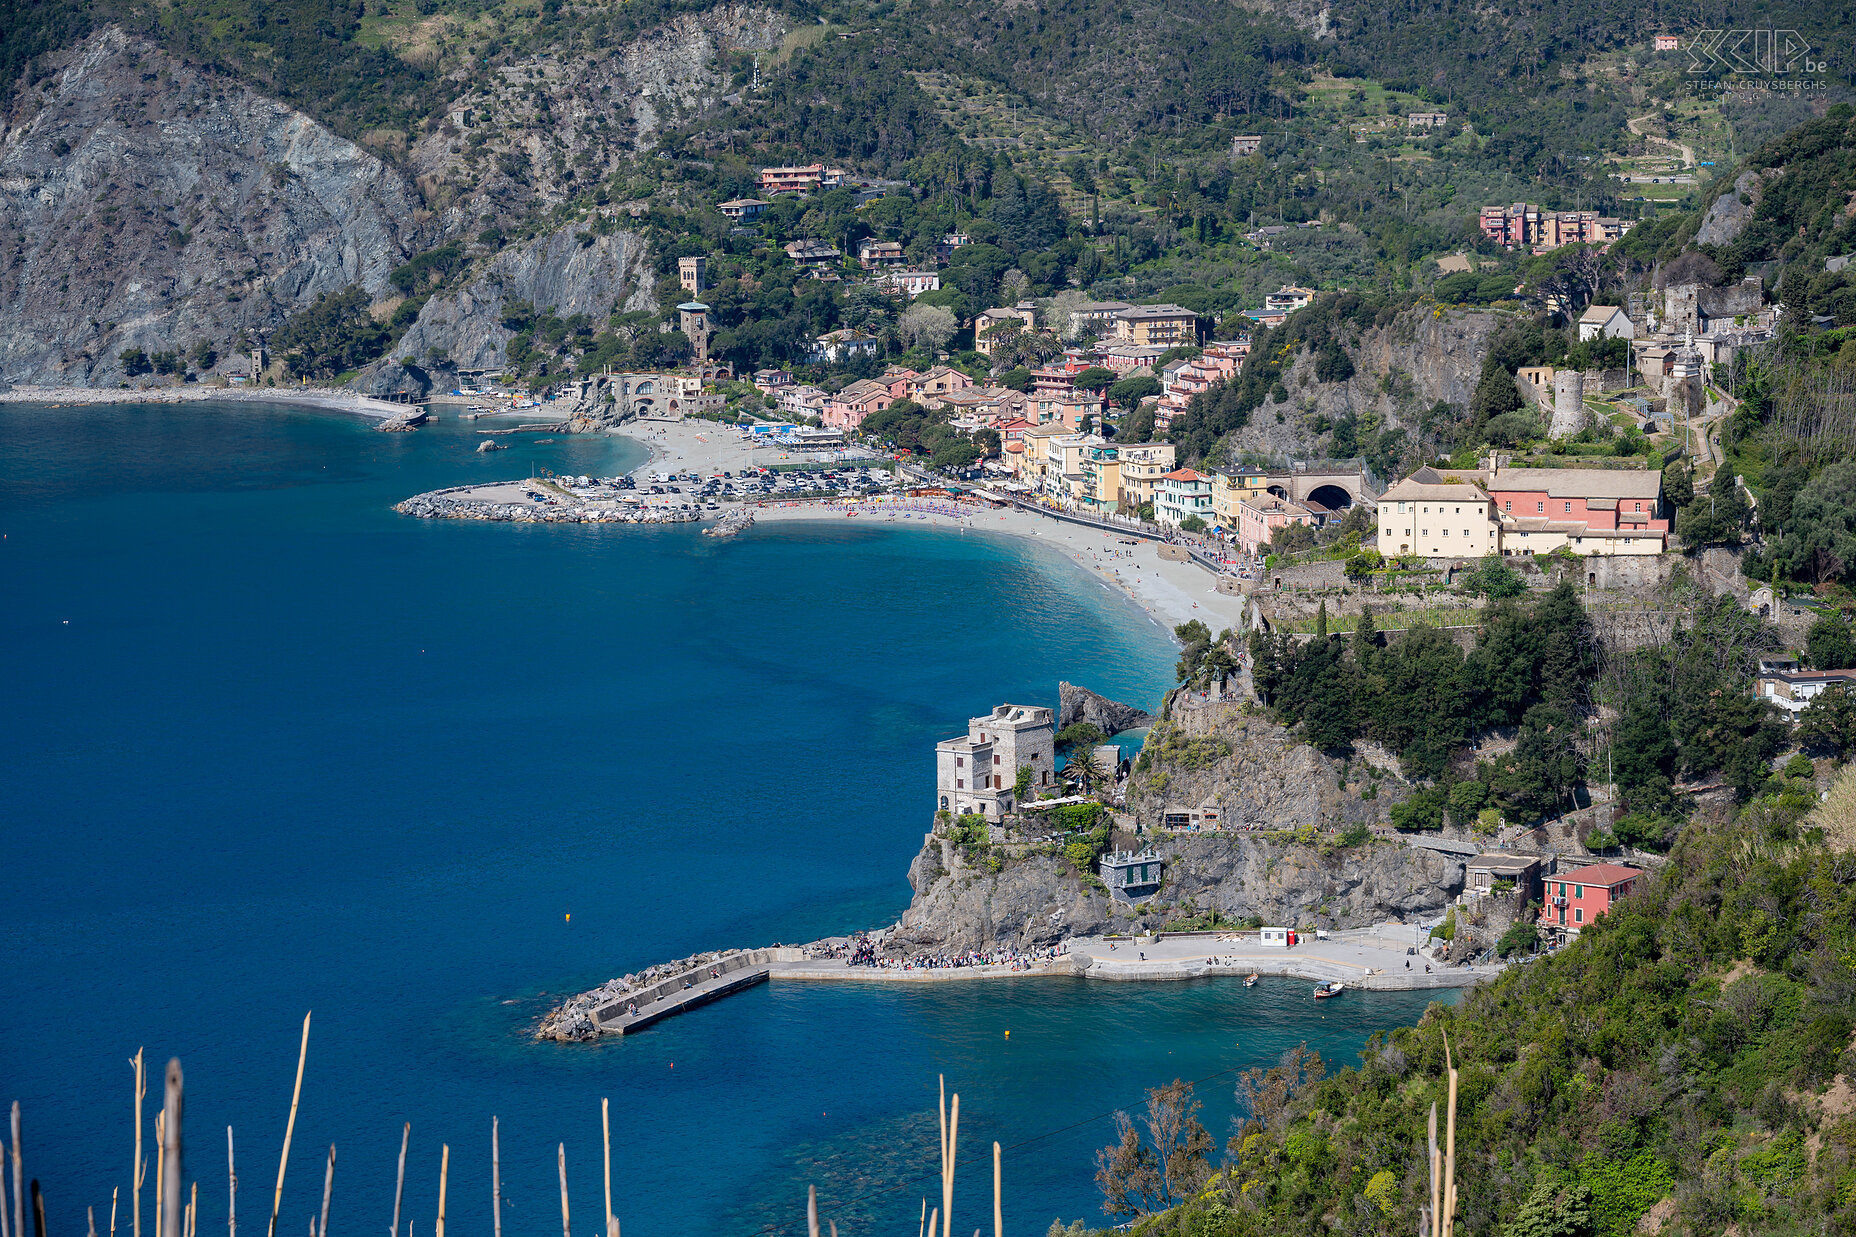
x=1683, y=1067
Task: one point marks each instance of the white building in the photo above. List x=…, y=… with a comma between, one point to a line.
x=1782, y=683
x=1451, y=520
x=1183, y=493
x=1605, y=322
x=979, y=771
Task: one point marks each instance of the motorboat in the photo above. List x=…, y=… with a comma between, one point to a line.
x=1250, y=981
x=1328, y=989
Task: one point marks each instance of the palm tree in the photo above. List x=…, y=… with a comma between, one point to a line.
x=1085, y=767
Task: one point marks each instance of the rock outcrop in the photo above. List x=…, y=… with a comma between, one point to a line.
x=1401, y=371
x=1040, y=900
x=570, y=271
x=549, y=125
x=1256, y=772
x=152, y=206
x=1079, y=704
x=1729, y=214
x=1277, y=854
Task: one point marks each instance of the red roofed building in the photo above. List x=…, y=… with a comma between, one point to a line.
x=1576, y=898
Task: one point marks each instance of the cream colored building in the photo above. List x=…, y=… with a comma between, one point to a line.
x=1164, y=325
x=1142, y=466
x=1449, y=520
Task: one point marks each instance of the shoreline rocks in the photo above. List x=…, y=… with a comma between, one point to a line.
x=439, y=506
x=1079, y=704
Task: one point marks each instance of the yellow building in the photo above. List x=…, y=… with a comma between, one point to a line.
x=1036, y=459
x=1452, y=520
x=1231, y=489
x=1101, y=485
x=1142, y=466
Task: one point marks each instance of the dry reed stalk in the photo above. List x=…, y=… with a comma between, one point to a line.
x=444, y=1174
x=934, y=1218
x=283, y=1161
x=193, y=1209
x=947, y=1186
x=161, y=1174
x=998, y=1211
x=170, y=1151
x=140, y=1167
x=1435, y=1219
x=328, y=1183
x=113, y=1210
x=567, y=1228
x=399, y=1185
x=921, y=1230
x=19, y=1206
x=605, y=1130
x=231, y=1189
x=496, y=1177
x=812, y=1211
x=1449, y=1219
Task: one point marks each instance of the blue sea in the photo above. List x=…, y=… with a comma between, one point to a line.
x=272, y=748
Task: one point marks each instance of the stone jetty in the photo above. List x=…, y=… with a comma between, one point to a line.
x=513, y=504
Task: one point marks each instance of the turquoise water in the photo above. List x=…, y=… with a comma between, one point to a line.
x=273, y=748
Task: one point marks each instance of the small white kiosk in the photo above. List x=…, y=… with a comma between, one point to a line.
x=1276, y=938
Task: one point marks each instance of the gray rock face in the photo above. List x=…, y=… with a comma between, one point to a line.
x=156, y=208
x=1258, y=775
x=1400, y=371
x=510, y=147
x=1255, y=771
x=1728, y=217
x=1039, y=900
x=1079, y=704
x=571, y=271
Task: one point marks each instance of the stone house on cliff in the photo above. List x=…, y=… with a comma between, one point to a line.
x=978, y=772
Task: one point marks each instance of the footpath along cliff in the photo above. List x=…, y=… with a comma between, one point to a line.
x=1019, y=885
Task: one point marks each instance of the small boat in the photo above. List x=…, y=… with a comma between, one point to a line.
x=1328, y=989
x=1250, y=981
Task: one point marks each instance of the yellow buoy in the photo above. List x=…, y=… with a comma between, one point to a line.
x=570, y=916
x=1008, y=1035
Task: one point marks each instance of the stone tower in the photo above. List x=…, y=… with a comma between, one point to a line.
x=695, y=317
x=1683, y=387
x=691, y=272
x=1568, y=404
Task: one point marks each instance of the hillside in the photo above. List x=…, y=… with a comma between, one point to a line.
x=1683, y=1067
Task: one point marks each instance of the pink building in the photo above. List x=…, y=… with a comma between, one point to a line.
x=847, y=409
x=1217, y=363
x=1259, y=518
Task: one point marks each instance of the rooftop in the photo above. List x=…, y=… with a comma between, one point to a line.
x=1605, y=874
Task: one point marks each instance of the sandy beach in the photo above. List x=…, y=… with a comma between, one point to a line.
x=1170, y=592
x=325, y=398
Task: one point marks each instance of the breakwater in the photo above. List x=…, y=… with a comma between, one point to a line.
x=536, y=506
x=1383, y=958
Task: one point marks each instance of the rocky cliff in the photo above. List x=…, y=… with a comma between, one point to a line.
x=1255, y=772
x=1040, y=899
x=1111, y=717
x=548, y=126
x=1401, y=371
x=147, y=204
x=570, y=271
x=1277, y=856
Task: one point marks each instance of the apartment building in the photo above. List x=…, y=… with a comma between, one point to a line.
x=873, y=254
x=813, y=254
x=809, y=178
x=743, y=210
x=1187, y=378
x=1288, y=298
x=1258, y=519
x=1169, y=326
x=1182, y=494
x=1023, y=315
x=847, y=409
x=1231, y=488
x=1523, y=223
x=1575, y=899
x=1101, y=486
x=1585, y=510
x=1142, y=466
